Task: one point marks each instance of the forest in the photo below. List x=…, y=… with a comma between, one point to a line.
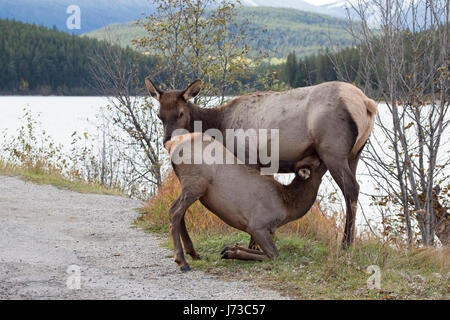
x=38, y=60
x=321, y=67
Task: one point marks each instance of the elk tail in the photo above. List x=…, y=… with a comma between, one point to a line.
x=372, y=109
x=371, y=106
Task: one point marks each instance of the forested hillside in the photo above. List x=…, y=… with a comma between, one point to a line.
x=278, y=30
x=325, y=66
x=35, y=59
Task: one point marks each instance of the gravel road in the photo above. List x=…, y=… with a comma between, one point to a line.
x=44, y=230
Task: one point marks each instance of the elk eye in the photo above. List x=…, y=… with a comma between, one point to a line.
x=181, y=115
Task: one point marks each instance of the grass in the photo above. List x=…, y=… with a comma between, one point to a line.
x=311, y=264
x=55, y=178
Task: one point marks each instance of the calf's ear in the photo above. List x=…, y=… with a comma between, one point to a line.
x=169, y=145
x=154, y=91
x=192, y=90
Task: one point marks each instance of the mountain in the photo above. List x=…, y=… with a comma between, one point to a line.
x=295, y=4
x=337, y=8
x=99, y=13
x=333, y=9
x=94, y=14
x=281, y=30
x=341, y=8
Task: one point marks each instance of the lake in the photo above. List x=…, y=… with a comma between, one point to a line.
x=60, y=116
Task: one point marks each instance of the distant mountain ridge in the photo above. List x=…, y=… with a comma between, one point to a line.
x=285, y=30
x=96, y=14
x=336, y=9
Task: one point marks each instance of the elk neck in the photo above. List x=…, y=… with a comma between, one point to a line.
x=211, y=118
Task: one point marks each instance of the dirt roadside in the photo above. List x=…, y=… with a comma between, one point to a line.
x=44, y=230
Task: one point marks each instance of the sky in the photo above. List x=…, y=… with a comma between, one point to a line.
x=320, y=2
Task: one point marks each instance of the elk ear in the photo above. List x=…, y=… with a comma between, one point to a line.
x=169, y=145
x=192, y=90
x=154, y=91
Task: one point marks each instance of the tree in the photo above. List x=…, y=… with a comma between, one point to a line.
x=197, y=39
x=405, y=63
x=188, y=39
x=138, y=138
x=291, y=69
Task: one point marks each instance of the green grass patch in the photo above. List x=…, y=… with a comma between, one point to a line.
x=39, y=176
x=310, y=269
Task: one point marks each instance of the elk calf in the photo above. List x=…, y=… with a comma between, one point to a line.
x=240, y=196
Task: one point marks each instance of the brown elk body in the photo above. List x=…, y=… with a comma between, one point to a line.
x=332, y=120
x=240, y=196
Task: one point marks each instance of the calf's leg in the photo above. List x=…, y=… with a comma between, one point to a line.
x=188, y=245
x=253, y=245
x=264, y=238
x=239, y=253
x=177, y=212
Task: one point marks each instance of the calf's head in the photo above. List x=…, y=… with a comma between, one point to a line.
x=174, y=111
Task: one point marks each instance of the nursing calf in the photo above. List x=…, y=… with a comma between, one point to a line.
x=239, y=195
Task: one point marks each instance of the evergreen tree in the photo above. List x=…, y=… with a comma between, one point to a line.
x=291, y=69
x=35, y=59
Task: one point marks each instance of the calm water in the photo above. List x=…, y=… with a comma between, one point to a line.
x=60, y=116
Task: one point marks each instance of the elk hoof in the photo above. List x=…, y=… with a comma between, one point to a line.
x=225, y=250
x=226, y=253
x=185, y=268
x=304, y=173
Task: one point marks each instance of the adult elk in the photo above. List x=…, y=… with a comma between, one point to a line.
x=333, y=120
x=238, y=194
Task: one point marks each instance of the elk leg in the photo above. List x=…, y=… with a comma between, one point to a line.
x=228, y=249
x=187, y=242
x=253, y=245
x=239, y=254
x=177, y=212
x=346, y=180
x=354, y=195
x=264, y=239
x=188, y=245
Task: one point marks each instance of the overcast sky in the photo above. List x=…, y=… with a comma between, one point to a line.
x=320, y=2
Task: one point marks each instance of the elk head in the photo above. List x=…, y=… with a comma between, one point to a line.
x=174, y=110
